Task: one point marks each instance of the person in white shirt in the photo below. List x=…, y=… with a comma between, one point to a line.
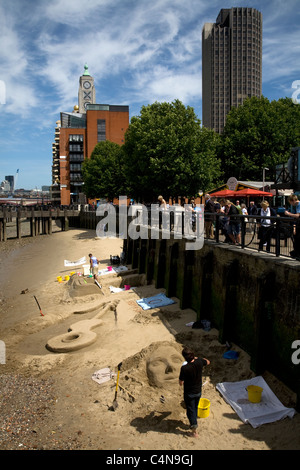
x=162, y=203
x=94, y=266
x=265, y=225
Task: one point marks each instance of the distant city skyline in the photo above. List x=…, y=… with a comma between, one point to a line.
x=140, y=54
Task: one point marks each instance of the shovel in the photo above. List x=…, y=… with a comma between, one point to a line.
x=38, y=305
x=115, y=403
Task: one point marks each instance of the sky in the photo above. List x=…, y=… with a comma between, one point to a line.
x=137, y=51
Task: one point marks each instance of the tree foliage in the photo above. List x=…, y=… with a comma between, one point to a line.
x=259, y=134
x=103, y=173
x=167, y=152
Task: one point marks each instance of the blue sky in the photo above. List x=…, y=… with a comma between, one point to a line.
x=137, y=51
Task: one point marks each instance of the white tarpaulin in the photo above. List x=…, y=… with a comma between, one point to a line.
x=268, y=410
x=103, y=375
x=75, y=263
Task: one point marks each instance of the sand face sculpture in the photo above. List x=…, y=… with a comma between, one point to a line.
x=80, y=334
x=163, y=366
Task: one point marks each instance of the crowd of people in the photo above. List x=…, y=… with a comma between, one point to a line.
x=230, y=220
x=257, y=217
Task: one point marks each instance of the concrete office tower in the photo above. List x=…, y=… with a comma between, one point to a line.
x=231, y=63
x=11, y=181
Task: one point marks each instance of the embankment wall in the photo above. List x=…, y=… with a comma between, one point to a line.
x=251, y=298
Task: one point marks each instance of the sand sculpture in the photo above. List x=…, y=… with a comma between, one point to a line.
x=163, y=366
x=157, y=365
x=80, y=334
x=79, y=286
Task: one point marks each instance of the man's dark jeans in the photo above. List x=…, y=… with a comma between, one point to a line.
x=191, y=402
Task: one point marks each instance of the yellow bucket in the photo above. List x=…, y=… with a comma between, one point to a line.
x=59, y=278
x=254, y=393
x=71, y=273
x=67, y=278
x=203, y=408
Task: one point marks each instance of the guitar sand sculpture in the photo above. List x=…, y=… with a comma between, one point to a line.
x=81, y=334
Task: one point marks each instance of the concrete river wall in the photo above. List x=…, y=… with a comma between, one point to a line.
x=251, y=298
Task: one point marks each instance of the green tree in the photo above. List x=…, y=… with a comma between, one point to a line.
x=259, y=134
x=165, y=152
x=103, y=173
x=207, y=167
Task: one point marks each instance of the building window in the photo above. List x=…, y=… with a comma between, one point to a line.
x=75, y=148
x=75, y=167
x=76, y=157
x=76, y=138
x=101, y=130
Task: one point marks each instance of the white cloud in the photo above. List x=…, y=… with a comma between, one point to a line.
x=184, y=87
x=131, y=47
x=20, y=96
x=281, y=57
x=73, y=12
x=137, y=51
x=117, y=39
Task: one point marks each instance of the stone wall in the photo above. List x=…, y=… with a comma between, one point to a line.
x=253, y=299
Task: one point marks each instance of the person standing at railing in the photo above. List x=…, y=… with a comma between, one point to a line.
x=234, y=223
x=265, y=225
x=295, y=206
x=222, y=209
x=252, y=210
x=191, y=213
x=162, y=203
x=244, y=211
x=162, y=208
x=237, y=204
x=209, y=209
x=295, y=213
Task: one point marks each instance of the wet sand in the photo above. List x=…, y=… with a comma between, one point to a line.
x=76, y=410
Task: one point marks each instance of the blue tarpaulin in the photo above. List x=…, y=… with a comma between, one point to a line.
x=159, y=300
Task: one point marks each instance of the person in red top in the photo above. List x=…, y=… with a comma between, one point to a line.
x=190, y=378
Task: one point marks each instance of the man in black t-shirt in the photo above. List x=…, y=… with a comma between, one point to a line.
x=191, y=378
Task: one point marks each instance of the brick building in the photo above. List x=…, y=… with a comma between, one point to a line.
x=77, y=134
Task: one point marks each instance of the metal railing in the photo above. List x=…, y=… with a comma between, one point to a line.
x=279, y=236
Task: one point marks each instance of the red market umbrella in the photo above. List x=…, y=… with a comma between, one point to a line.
x=223, y=193
x=252, y=192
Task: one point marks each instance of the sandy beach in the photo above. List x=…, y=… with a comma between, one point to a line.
x=50, y=400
